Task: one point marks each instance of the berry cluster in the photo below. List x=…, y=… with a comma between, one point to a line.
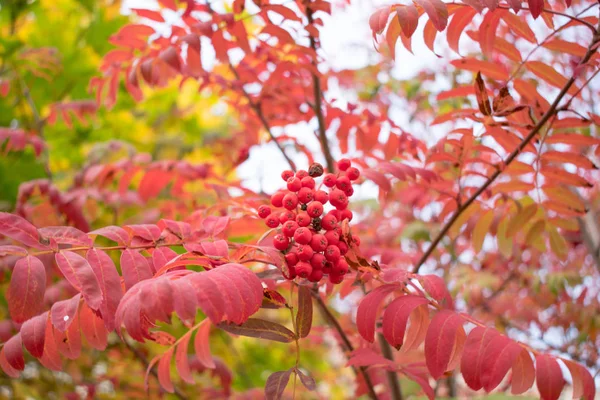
x=310, y=238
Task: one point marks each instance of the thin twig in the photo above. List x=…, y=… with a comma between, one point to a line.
x=551, y=111
x=394, y=383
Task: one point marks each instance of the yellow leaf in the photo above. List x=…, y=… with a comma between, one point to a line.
x=557, y=243
x=462, y=219
x=534, y=235
x=505, y=244
x=481, y=229
x=520, y=219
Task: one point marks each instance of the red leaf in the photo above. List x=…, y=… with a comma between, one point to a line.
x=181, y=358
x=489, y=69
x=135, y=268
x=161, y=256
x=6, y=367
x=26, y=290
x=523, y=373
x=201, y=345
x=69, y=342
x=110, y=285
x=19, y=229
x=440, y=341
x=147, y=232
x=436, y=288
x=79, y=273
x=459, y=22
x=10, y=250
x=536, y=7
x=378, y=20
x=50, y=359
x=33, y=334
x=483, y=98
x=260, y=328
x=276, y=383
x=164, y=371
x=366, y=357
x=437, y=12
x=145, y=13
x=396, y=317
x=583, y=382
x=67, y=234
x=307, y=380
x=215, y=225
x=305, y=312
x=550, y=75
x=473, y=355
x=408, y=17
x=500, y=354
x=395, y=275
x=549, y=377
x=366, y=313
x=114, y=233
x=153, y=182
x=63, y=312
x=13, y=350
x=378, y=178
x=93, y=328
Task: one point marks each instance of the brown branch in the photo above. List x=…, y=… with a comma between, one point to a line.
x=333, y=322
x=317, y=106
x=394, y=383
x=551, y=111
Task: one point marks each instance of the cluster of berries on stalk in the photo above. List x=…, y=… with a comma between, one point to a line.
x=310, y=238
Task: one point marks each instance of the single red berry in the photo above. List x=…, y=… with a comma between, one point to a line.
x=356, y=240
x=305, y=252
x=264, y=211
x=349, y=192
x=318, y=242
x=287, y=174
x=329, y=180
x=315, y=170
x=303, y=219
x=303, y=269
x=291, y=259
x=308, y=182
x=329, y=222
x=352, y=173
x=343, y=247
x=336, y=213
x=294, y=184
x=316, y=275
x=344, y=164
x=272, y=221
x=335, y=279
x=321, y=196
x=281, y=242
x=285, y=216
x=333, y=238
x=290, y=201
x=301, y=174
x=277, y=199
x=340, y=268
x=327, y=267
x=302, y=235
x=332, y=253
x=291, y=273
x=338, y=199
x=346, y=214
x=343, y=183
x=289, y=228
x=318, y=261
x=315, y=209
x=306, y=195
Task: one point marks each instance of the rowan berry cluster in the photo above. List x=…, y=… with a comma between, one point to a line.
x=311, y=238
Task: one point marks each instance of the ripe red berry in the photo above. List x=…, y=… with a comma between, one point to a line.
x=291, y=259
x=329, y=222
x=308, y=182
x=343, y=183
x=335, y=279
x=277, y=199
x=343, y=247
x=340, y=268
x=285, y=216
x=305, y=252
x=306, y=195
x=289, y=228
x=318, y=242
x=329, y=180
x=349, y=192
x=316, y=275
x=303, y=269
x=344, y=164
x=333, y=238
x=291, y=274
x=301, y=174
x=290, y=201
x=287, y=174
x=302, y=235
x=327, y=267
x=315, y=209
x=332, y=253
x=272, y=221
x=346, y=214
x=338, y=199
x=303, y=219
x=318, y=261
x=353, y=173
x=281, y=242
x=294, y=184
x=356, y=240
x=321, y=196
x=264, y=211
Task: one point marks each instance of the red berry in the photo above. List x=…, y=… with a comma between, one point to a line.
x=346, y=214
x=321, y=196
x=353, y=173
x=291, y=274
x=301, y=174
x=308, y=182
x=302, y=236
x=344, y=164
x=316, y=275
x=306, y=195
x=356, y=240
x=303, y=269
x=349, y=192
x=333, y=238
x=329, y=180
x=290, y=201
x=315, y=209
x=318, y=261
x=287, y=174
x=294, y=184
x=272, y=221
x=277, y=199
x=303, y=219
x=329, y=222
x=343, y=247
x=285, y=216
x=318, y=242
x=291, y=259
x=305, y=252
x=327, y=267
x=335, y=279
x=289, y=228
x=264, y=211
x=332, y=253
x=340, y=268
x=343, y=183
x=338, y=199
x=281, y=242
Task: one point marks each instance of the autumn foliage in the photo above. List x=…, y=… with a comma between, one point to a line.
x=444, y=228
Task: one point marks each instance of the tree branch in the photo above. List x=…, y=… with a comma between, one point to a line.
x=551, y=111
x=394, y=383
